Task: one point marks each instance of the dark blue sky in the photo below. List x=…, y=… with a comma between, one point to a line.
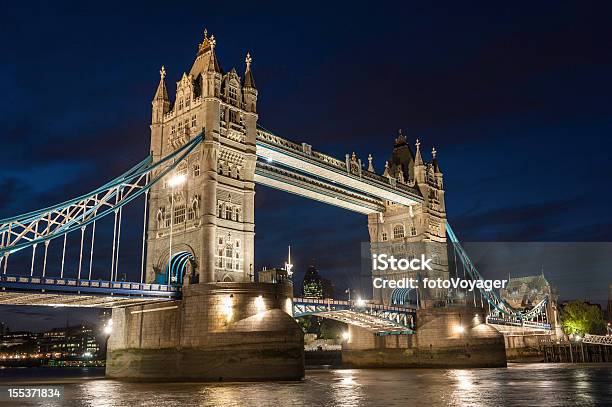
x=515, y=98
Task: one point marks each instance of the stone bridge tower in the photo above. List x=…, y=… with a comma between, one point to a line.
x=207, y=202
x=408, y=231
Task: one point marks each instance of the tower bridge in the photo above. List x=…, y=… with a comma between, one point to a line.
x=195, y=306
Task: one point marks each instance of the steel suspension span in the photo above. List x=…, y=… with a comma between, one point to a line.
x=379, y=319
x=56, y=222
x=502, y=312
x=42, y=226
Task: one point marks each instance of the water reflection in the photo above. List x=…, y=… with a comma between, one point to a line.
x=346, y=390
x=518, y=385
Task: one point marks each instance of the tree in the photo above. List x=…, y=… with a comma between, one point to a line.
x=309, y=324
x=580, y=318
x=331, y=329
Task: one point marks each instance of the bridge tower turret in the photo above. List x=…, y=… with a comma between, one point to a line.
x=161, y=106
x=409, y=231
x=210, y=212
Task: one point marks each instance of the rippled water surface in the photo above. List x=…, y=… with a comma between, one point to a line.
x=518, y=385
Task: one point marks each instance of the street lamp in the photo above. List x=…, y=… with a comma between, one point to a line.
x=174, y=182
x=108, y=328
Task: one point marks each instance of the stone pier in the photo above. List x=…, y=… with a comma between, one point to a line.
x=446, y=337
x=217, y=332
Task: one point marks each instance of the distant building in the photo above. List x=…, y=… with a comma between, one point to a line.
x=77, y=342
x=19, y=342
x=73, y=342
x=3, y=328
x=314, y=286
x=526, y=292
x=273, y=275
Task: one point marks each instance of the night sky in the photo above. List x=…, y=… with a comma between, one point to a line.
x=515, y=98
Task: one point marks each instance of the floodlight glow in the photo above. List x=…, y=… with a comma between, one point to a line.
x=459, y=329
x=346, y=336
x=260, y=304
x=289, y=306
x=360, y=302
x=177, y=180
x=228, y=307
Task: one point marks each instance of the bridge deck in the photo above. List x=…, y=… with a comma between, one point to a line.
x=377, y=318
x=67, y=292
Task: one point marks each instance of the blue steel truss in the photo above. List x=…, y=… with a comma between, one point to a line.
x=382, y=319
x=83, y=286
x=502, y=312
x=43, y=225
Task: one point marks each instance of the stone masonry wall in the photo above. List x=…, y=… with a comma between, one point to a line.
x=439, y=342
x=223, y=331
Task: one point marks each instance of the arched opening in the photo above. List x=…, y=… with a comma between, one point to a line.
x=404, y=296
x=175, y=270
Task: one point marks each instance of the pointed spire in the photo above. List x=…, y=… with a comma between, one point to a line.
x=436, y=167
x=205, y=44
x=162, y=92
x=417, y=156
x=401, y=139
x=288, y=264
x=386, y=172
x=213, y=63
x=370, y=166
x=249, y=82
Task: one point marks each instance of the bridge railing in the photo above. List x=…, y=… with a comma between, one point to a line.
x=598, y=339
x=326, y=301
x=267, y=137
x=518, y=323
x=90, y=286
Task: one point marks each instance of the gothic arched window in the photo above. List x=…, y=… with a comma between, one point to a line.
x=228, y=212
x=398, y=231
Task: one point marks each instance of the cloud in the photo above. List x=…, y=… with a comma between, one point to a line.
x=11, y=189
x=523, y=222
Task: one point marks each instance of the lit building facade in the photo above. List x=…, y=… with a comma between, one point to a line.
x=409, y=231
x=211, y=213
x=315, y=286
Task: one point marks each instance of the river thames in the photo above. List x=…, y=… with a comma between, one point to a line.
x=517, y=385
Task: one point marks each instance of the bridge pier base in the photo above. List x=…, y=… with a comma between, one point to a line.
x=217, y=332
x=445, y=337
